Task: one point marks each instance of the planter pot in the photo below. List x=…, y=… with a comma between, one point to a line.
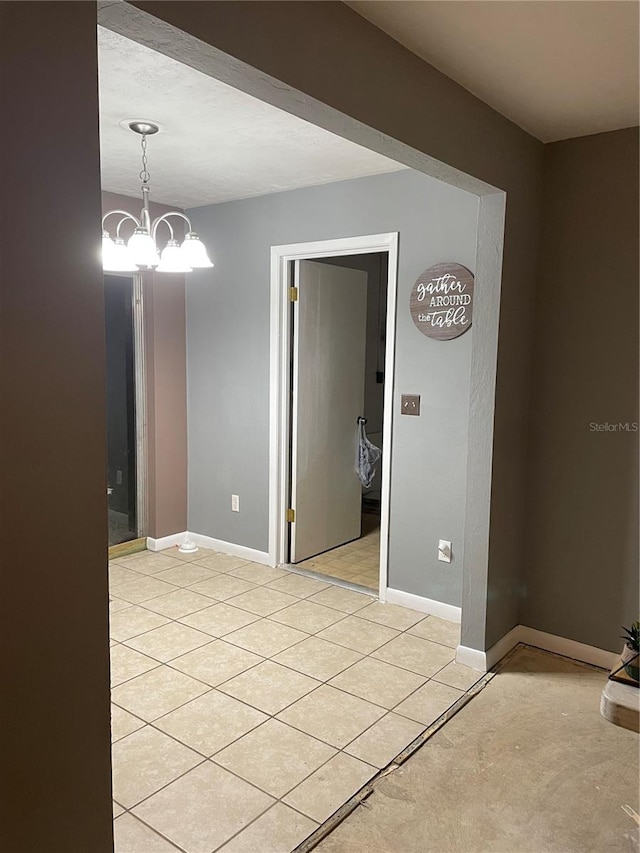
x=630, y=659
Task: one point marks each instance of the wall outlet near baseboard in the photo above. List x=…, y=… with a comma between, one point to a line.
x=235, y=503
x=444, y=550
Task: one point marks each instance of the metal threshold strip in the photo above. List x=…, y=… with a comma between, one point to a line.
x=347, y=808
x=354, y=587
x=126, y=548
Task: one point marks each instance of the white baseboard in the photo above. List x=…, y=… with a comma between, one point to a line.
x=207, y=542
x=503, y=646
x=165, y=541
x=567, y=648
x=424, y=605
x=230, y=548
x=484, y=661
x=472, y=658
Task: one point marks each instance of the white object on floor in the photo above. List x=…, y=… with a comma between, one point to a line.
x=188, y=546
x=620, y=704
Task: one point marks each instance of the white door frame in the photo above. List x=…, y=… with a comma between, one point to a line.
x=280, y=341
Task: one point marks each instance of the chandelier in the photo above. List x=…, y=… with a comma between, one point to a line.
x=141, y=249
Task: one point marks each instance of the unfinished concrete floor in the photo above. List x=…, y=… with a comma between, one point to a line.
x=528, y=766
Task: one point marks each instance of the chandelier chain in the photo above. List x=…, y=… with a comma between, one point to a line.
x=145, y=175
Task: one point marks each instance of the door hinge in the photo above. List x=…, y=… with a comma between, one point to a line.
x=291, y=515
x=293, y=294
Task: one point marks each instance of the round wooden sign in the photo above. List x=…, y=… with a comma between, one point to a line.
x=442, y=301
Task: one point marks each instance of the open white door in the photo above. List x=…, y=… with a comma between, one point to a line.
x=329, y=344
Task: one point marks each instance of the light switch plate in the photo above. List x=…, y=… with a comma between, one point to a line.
x=410, y=404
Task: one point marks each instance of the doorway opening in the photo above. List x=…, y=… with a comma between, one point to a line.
x=338, y=327
x=333, y=329
x=126, y=463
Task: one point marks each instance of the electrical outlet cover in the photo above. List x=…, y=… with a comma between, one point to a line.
x=444, y=551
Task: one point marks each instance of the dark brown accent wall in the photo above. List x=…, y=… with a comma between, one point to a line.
x=54, y=687
x=166, y=379
x=581, y=555
x=54, y=698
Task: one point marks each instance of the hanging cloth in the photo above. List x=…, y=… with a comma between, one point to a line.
x=368, y=456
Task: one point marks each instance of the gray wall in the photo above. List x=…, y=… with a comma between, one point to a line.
x=228, y=365
x=581, y=558
x=374, y=82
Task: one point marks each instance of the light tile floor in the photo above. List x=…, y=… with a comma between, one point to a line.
x=357, y=561
x=249, y=703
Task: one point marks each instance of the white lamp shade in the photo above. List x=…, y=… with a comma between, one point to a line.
x=116, y=256
x=143, y=249
x=172, y=259
x=194, y=252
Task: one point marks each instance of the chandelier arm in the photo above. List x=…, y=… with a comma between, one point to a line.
x=164, y=219
x=157, y=222
x=125, y=215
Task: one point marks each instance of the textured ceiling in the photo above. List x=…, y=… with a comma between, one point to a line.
x=556, y=68
x=216, y=143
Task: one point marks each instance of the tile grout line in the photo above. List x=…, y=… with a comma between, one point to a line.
x=320, y=682
x=387, y=711
x=211, y=759
x=255, y=819
x=276, y=799
x=214, y=637
x=368, y=788
x=154, y=830
x=269, y=717
x=221, y=639
x=204, y=761
x=368, y=655
x=265, y=584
